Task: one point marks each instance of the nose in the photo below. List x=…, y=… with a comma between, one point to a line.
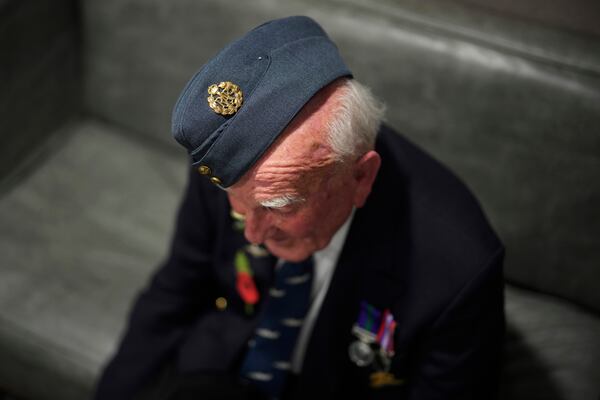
x=257, y=226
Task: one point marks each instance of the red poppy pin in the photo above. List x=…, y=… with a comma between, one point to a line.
x=245, y=281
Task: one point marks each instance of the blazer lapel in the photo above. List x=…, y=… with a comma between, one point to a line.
x=362, y=274
x=367, y=270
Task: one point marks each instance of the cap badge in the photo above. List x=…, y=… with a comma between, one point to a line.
x=225, y=98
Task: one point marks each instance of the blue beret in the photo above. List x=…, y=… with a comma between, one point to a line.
x=234, y=108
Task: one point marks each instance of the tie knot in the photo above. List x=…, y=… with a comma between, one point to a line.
x=302, y=269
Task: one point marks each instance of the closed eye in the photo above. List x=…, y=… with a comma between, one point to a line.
x=288, y=209
x=283, y=204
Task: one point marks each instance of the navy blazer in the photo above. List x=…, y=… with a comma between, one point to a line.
x=420, y=246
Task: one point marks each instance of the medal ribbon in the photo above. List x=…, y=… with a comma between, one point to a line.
x=369, y=317
x=385, y=337
x=373, y=326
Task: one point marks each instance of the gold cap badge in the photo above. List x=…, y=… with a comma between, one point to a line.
x=225, y=98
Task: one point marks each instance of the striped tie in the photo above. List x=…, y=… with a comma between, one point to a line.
x=267, y=362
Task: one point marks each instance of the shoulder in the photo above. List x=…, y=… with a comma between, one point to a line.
x=203, y=207
x=437, y=230
x=442, y=209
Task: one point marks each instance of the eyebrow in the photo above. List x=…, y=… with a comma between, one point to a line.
x=281, y=201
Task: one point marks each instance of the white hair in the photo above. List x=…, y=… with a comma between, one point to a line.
x=355, y=121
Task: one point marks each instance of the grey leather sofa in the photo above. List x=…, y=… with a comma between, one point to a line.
x=90, y=178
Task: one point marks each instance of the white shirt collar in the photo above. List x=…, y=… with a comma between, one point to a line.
x=326, y=258
x=325, y=262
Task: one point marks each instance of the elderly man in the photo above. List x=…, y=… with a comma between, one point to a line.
x=317, y=253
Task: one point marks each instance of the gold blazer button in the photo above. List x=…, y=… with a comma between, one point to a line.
x=221, y=303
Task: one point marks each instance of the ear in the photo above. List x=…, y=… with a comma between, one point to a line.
x=365, y=171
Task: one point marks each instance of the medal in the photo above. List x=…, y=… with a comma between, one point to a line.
x=375, y=338
x=374, y=345
x=380, y=379
x=361, y=353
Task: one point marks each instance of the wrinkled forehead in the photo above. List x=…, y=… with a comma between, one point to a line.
x=294, y=167
x=296, y=177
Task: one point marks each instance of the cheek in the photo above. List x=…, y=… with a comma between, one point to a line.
x=298, y=226
x=310, y=222
x=324, y=213
x=332, y=209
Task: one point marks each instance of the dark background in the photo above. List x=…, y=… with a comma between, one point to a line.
x=506, y=93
